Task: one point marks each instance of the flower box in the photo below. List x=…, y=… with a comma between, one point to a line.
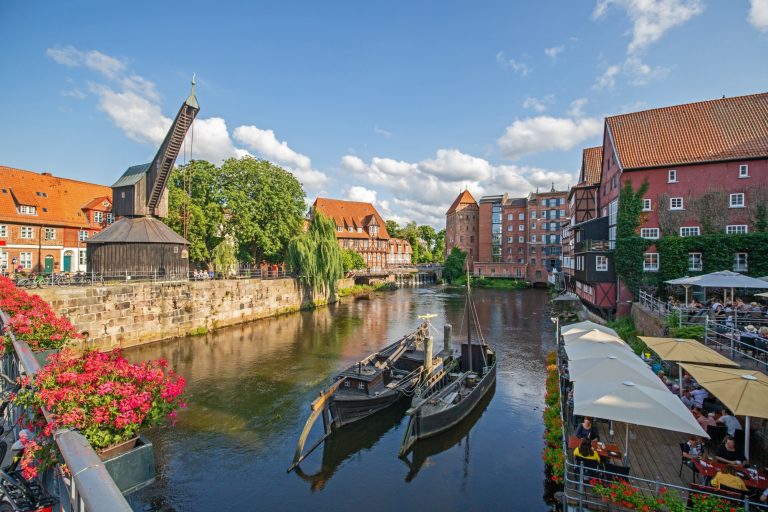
x=113, y=451
x=133, y=469
x=42, y=356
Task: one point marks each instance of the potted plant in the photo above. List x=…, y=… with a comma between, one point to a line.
x=100, y=394
x=624, y=494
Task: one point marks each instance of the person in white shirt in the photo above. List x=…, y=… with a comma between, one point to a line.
x=699, y=394
x=731, y=422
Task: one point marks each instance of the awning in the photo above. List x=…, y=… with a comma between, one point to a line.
x=686, y=351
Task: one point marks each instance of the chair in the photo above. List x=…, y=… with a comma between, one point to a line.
x=683, y=461
x=716, y=434
x=732, y=490
x=618, y=472
x=590, y=468
x=738, y=437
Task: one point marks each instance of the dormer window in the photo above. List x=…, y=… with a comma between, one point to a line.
x=351, y=229
x=98, y=217
x=359, y=230
x=339, y=228
x=27, y=210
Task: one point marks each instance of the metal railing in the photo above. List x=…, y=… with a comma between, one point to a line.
x=90, y=487
x=682, y=315
x=577, y=487
x=736, y=342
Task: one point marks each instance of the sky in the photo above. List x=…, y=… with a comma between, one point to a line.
x=403, y=104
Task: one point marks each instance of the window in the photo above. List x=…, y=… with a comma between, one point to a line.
x=520, y=239
x=3, y=260
x=743, y=171
x=111, y=218
x=740, y=262
x=83, y=235
x=675, y=203
x=533, y=261
x=510, y=239
x=82, y=258
x=694, y=261
x=651, y=261
x=737, y=200
x=3, y=231
x=519, y=250
x=646, y=205
x=510, y=216
x=50, y=234
x=690, y=231
x=521, y=227
x=359, y=230
x=25, y=260
x=98, y=217
x=672, y=176
x=562, y=213
x=339, y=229
x=27, y=233
x=510, y=227
x=736, y=229
x=521, y=216
x=27, y=210
x=361, y=386
x=533, y=214
x=601, y=263
x=613, y=210
x=649, y=233
x=533, y=225
x=533, y=238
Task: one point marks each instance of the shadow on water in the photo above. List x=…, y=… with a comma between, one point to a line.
x=426, y=448
x=351, y=439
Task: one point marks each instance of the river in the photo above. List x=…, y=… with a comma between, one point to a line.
x=249, y=390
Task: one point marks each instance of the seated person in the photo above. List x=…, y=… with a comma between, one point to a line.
x=585, y=451
x=731, y=423
x=727, y=453
x=692, y=450
x=688, y=381
x=586, y=430
x=706, y=420
x=687, y=399
x=699, y=394
x=729, y=478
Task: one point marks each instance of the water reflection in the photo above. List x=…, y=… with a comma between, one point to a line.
x=250, y=386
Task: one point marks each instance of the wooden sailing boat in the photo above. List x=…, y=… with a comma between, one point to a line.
x=370, y=385
x=454, y=388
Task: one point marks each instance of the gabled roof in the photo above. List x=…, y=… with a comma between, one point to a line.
x=517, y=202
x=132, y=175
x=591, y=166
x=463, y=198
x=352, y=214
x=708, y=131
x=58, y=201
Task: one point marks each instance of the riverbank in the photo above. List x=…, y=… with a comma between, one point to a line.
x=124, y=315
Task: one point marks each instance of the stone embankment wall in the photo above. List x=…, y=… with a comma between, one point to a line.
x=648, y=323
x=122, y=315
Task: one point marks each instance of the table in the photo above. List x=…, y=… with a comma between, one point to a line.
x=606, y=451
x=709, y=468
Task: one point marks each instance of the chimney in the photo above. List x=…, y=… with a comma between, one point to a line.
x=46, y=174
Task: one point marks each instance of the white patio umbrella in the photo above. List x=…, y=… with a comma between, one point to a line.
x=613, y=368
x=594, y=336
x=585, y=326
x=722, y=279
x=632, y=403
x=580, y=351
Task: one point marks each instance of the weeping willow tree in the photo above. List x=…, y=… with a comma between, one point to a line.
x=315, y=255
x=225, y=257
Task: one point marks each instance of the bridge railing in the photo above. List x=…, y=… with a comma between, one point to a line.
x=87, y=485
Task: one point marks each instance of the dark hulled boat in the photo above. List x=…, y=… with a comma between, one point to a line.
x=370, y=385
x=453, y=388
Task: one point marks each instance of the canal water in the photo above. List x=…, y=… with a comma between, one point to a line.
x=249, y=390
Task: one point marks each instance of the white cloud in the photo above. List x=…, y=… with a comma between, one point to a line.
x=212, y=141
x=577, y=107
x=641, y=73
x=608, y=79
x=539, y=104
x=381, y=131
x=139, y=118
x=520, y=68
x=361, y=194
x=70, y=56
x=554, y=51
x=74, y=93
x=545, y=133
x=758, y=14
x=437, y=182
x=265, y=142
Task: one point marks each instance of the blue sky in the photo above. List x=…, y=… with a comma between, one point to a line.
x=399, y=103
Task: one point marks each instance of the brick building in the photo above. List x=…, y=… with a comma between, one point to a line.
x=45, y=220
x=546, y=213
x=360, y=227
x=706, y=165
x=461, y=225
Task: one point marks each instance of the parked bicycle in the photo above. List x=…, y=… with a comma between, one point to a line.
x=32, y=281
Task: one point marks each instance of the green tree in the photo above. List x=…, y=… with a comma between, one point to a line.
x=316, y=257
x=352, y=260
x=428, y=234
x=438, y=254
x=265, y=207
x=202, y=208
x=224, y=257
x=454, y=265
x=393, y=228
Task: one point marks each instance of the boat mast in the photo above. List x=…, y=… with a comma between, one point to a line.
x=468, y=307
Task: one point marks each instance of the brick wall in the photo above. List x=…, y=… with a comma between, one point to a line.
x=132, y=314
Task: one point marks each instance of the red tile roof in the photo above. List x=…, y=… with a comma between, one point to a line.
x=591, y=165
x=352, y=214
x=463, y=198
x=58, y=201
x=708, y=131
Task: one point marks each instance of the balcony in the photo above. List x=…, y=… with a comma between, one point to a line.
x=594, y=246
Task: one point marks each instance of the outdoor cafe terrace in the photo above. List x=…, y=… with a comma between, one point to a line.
x=642, y=423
